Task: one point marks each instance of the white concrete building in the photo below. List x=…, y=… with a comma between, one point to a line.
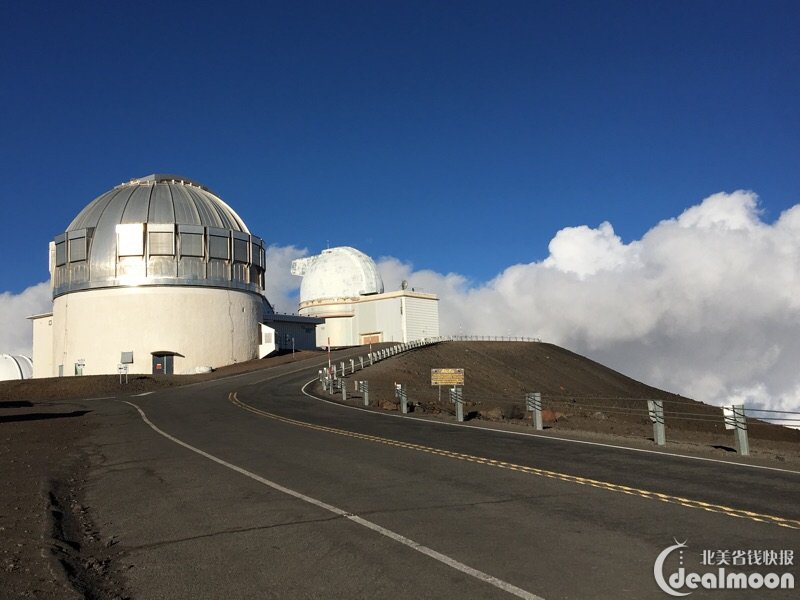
x=343, y=287
x=158, y=274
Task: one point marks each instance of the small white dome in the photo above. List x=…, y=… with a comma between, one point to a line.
x=341, y=272
x=15, y=367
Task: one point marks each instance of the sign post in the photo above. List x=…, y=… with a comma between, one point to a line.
x=735, y=419
x=457, y=399
x=533, y=402
x=655, y=410
x=454, y=378
x=446, y=377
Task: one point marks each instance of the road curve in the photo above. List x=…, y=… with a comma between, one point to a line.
x=247, y=487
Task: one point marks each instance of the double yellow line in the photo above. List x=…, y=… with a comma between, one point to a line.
x=612, y=487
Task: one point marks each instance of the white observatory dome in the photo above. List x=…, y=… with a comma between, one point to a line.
x=15, y=367
x=342, y=272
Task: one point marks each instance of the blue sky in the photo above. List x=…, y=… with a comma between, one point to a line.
x=475, y=149
x=459, y=136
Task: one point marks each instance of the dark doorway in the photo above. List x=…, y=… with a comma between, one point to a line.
x=162, y=364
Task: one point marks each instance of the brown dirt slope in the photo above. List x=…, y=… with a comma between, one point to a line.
x=577, y=392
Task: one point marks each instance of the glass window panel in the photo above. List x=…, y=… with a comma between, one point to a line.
x=256, y=253
x=130, y=239
x=61, y=254
x=77, y=249
x=192, y=244
x=162, y=243
x=240, y=250
x=218, y=247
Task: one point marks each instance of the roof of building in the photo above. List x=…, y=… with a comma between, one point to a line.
x=285, y=318
x=157, y=230
x=158, y=198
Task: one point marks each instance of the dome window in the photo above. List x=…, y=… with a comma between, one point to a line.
x=240, y=243
x=161, y=240
x=191, y=237
x=130, y=239
x=218, y=244
x=257, y=253
x=77, y=245
x=61, y=250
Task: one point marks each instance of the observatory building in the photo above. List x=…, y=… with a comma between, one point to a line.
x=157, y=275
x=343, y=287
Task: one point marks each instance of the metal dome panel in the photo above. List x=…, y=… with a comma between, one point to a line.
x=159, y=199
x=87, y=255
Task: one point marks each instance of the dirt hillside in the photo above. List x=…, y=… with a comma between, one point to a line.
x=577, y=393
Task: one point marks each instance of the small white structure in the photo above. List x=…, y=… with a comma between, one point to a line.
x=342, y=286
x=158, y=273
x=14, y=367
x=287, y=333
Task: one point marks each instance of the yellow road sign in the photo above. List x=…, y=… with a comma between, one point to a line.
x=447, y=376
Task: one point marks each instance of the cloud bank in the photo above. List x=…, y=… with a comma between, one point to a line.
x=706, y=304
x=16, y=332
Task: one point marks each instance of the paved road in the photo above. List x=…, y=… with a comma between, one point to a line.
x=246, y=487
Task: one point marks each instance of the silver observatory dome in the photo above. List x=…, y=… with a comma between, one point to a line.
x=157, y=230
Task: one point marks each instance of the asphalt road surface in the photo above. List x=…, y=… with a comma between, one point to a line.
x=247, y=487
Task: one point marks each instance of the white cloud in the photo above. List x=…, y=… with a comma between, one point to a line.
x=585, y=251
x=706, y=304
x=281, y=286
x=16, y=332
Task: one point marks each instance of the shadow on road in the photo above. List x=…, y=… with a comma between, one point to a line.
x=725, y=448
x=42, y=416
x=15, y=404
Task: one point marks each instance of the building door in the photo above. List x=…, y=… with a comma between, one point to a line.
x=162, y=364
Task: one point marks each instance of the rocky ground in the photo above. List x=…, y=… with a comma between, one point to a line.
x=49, y=545
x=51, y=548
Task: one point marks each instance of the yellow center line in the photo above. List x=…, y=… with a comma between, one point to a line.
x=612, y=487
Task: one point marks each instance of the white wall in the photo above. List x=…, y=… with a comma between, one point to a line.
x=422, y=318
x=42, y=346
x=397, y=316
x=340, y=331
x=389, y=318
x=267, y=345
x=206, y=327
